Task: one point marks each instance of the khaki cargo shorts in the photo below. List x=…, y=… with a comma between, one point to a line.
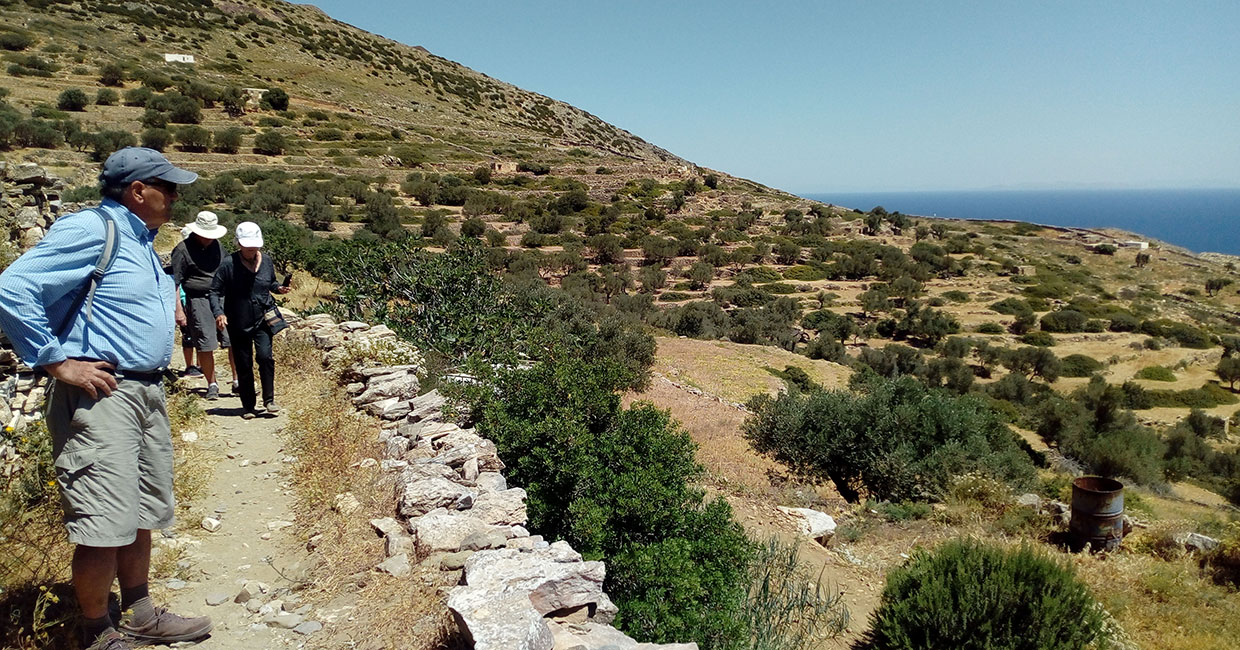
x=113, y=460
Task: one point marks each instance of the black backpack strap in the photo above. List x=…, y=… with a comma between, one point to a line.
x=87, y=293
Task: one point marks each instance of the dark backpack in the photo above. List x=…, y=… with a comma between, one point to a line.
x=87, y=293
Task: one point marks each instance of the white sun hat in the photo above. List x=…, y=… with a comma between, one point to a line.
x=249, y=235
x=207, y=224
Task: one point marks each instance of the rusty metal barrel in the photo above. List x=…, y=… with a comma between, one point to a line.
x=1097, y=512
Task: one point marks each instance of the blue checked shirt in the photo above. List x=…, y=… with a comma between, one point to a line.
x=133, y=309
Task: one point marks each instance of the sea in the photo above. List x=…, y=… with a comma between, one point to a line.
x=1201, y=220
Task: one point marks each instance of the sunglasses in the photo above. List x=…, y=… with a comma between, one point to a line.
x=162, y=185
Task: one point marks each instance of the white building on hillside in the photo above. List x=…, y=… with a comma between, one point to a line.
x=178, y=58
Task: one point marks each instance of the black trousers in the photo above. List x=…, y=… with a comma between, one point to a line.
x=246, y=347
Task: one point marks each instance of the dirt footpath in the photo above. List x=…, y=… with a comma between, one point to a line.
x=248, y=496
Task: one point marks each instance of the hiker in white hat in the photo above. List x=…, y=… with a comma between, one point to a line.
x=194, y=263
x=241, y=301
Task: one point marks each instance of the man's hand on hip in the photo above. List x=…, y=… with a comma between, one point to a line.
x=91, y=376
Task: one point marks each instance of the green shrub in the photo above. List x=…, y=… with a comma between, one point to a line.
x=107, y=97
x=1156, y=373
x=1104, y=249
x=759, y=275
x=956, y=295
x=72, y=99
x=674, y=296
x=15, y=41
x=1038, y=338
x=1182, y=333
x=1064, y=320
x=966, y=595
x=805, y=273
x=274, y=99
x=896, y=439
x=157, y=139
x=271, y=143
x=616, y=484
x=1011, y=306
x=1208, y=396
x=227, y=140
x=1079, y=365
x=990, y=328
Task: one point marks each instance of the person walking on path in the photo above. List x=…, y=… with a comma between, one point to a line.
x=241, y=301
x=194, y=262
x=111, y=438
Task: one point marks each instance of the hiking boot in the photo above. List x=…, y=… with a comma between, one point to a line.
x=111, y=640
x=191, y=371
x=249, y=414
x=165, y=627
x=272, y=407
x=213, y=392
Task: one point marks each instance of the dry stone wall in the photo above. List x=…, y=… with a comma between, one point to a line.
x=29, y=203
x=455, y=509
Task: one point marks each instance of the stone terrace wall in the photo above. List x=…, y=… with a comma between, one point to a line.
x=517, y=591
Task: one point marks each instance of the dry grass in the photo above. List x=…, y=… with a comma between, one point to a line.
x=330, y=441
x=734, y=371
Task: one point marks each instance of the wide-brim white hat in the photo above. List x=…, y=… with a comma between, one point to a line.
x=207, y=224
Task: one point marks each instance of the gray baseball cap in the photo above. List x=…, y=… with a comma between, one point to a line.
x=138, y=164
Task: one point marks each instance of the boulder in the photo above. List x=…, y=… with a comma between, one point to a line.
x=1196, y=542
x=816, y=525
x=424, y=495
x=396, y=410
x=588, y=635
x=504, y=508
x=491, y=482
x=354, y=326
x=426, y=407
x=499, y=621
x=441, y=530
x=555, y=578
x=398, y=386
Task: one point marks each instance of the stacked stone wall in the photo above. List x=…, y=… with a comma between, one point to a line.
x=456, y=511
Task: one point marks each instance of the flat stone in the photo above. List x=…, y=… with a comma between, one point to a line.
x=397, y=565
x=175, y=584
x=210, y=524
x=454, y=561
x=217, y=598
x=308, y=628
x=284, y=620
x=483, y=540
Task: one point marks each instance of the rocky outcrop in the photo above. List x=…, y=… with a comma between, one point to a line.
x=517, y=592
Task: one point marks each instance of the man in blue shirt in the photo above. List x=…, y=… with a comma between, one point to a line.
x=106, y=412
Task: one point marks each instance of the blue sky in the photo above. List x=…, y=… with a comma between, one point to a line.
x=871, y=95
